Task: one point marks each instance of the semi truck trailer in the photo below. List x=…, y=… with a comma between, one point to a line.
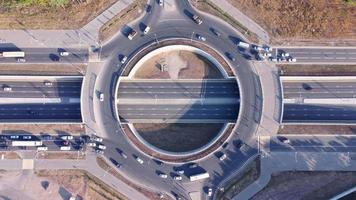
x=12, y=54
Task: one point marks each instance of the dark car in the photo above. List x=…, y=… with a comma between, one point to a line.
x=47, y=137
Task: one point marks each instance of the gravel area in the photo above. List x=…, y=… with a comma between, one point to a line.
x=317, y=70
x=317, y=129
x=43, y=69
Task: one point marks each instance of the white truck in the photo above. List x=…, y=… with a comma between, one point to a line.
x=243, y=44
x=12, y=54
x=199, y=176
x=65, y=148
x=26, y=143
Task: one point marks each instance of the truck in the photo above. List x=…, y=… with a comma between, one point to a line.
x=65, y=148
x=26, y=143
x=131, y=34
x=197, y=19
x=243, y=44
x=199, y=176
x=12, y=54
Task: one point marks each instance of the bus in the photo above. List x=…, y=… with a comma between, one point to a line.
x=200, y=176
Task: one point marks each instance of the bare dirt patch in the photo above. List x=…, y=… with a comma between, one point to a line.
x=127, y=15
x=144, y=148
x=42, y=69
x=151, y=195
x=180, y=65
x=306, y=185
x=208, y=7
x=38, y=129
x=241, y=181
x=141, y=53
x=318, y=70
x=9, y=155
x=178, y=137
x=14, y=15
x=317, y=130
x=288, y=21
x=80, y=183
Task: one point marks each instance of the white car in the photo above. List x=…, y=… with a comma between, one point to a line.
x=97, y=139
x=21, y=60
x=64, y=53
x=7, y=89
x=202, y=38
x=147, y=29
x=103, y=147
x=91, y=144
x=160, y=2
x=285, y=54
x=210, y=192
x=292, y=60
x=222, y=157
x=98, y=151
x=42, y=148
x=139, y=160
x=123, y=59
x=101, y=97
x=48, y=83
x=177, y=178
x=162, y=175
x=123, y=155
x=67, y=137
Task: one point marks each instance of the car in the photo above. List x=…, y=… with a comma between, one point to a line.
x=285, y=54
x=267, y=55
x=21, y=60
x=98, y=151
x=197, y=19
x=65, y=148
x=7, y=89
x=97, y=139
x=160, y=2
x=67, y=137
x=100, y=146
x=91, y=144
x=147, y=29
x=139, y=160
x=123, y=155
x=215, y=32
x=222, y=157
x=48, y=83
x=163, y=175
x=177, y=178
x=123, y=59
x=65, y=143
x=292, y=60
x=132, y=34
x=284, y=140
x=42, y=148
x=225, y=145
x=3, y=143
x=193, y=165
x=257, y=48
x=14, y=136
x=230, y=57
x=64, y=53
x=202, y=38
x=26, y=137
x=267, y=48
x=101, y=97
x=46, y=137
x=210, y=192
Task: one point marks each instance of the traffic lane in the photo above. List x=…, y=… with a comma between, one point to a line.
x=339, y=143
x=39, y=89
x=314, y=112
x=31, y=112
x=321, y=55
x=319, y=89
x=44, y=55
x=196, y=111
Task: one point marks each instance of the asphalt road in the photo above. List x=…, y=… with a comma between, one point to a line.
x=47, y=55
x=178, y=89
x=40, y=112
x=38, y=89
x=314, y=143
x=314, y=113
x=319, y=89
x=321, y=55
x=131, y=113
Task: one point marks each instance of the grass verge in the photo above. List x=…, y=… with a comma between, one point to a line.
x=114, y=25
x=243, y=179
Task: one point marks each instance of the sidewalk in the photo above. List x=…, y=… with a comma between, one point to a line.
x=242, y=19
x=81, y=38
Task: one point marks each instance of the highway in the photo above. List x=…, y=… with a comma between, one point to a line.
x=40, y=112
x=39, y=89
x=309, y=113
x=327, y=55
x=47, y=55
x=319, y=89
x=180, y=89
x=188, y=113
